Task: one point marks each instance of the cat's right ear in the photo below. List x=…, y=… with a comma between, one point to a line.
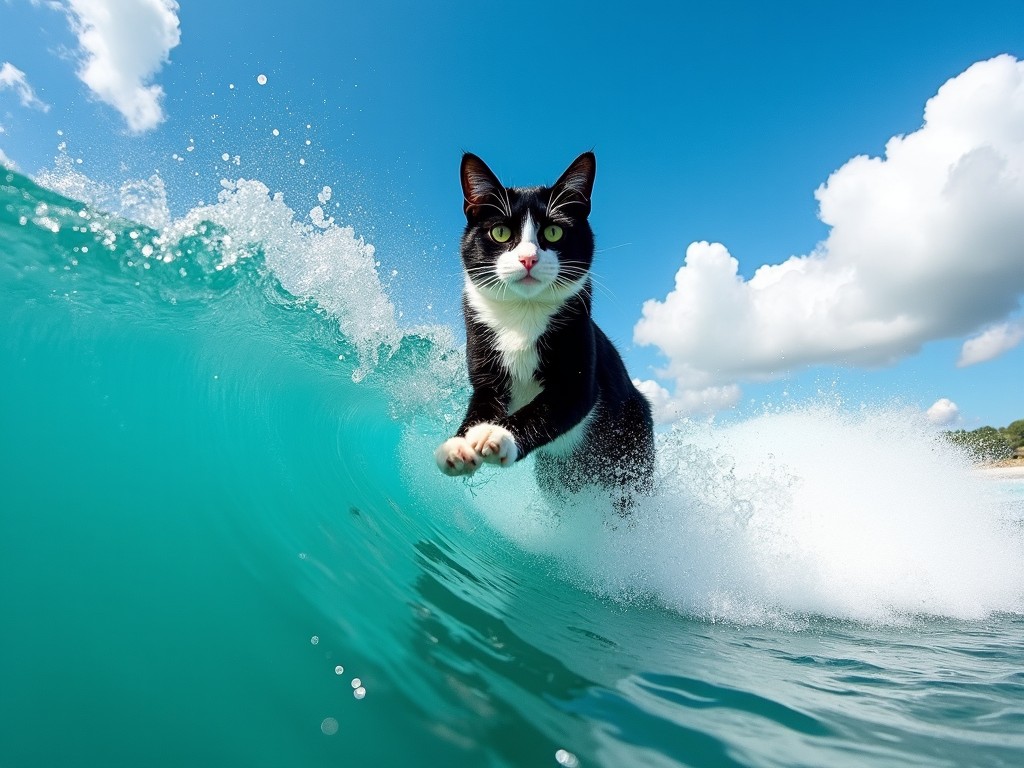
x=480, y=187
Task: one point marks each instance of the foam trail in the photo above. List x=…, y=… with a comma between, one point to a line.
x=866, y=516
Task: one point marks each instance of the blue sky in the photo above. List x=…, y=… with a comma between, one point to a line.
x=711, y=122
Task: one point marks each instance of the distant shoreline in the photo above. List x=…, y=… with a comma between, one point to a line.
x=1007, y=468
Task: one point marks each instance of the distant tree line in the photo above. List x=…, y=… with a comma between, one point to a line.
x=989, y=443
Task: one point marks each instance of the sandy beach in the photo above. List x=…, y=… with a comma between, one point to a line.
x=1010, y=469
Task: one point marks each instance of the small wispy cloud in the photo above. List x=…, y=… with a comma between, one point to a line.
x=124, y=44
x=991, y=343
x=13, y=78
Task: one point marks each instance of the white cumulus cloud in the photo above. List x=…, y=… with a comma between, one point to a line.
x=991, y=343
x=925, y=243
x=13, y=78
x=943, y=412
x=667, y=408
x=124, y=44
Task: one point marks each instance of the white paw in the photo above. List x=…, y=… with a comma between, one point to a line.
x=495, y=444
x=456, y=456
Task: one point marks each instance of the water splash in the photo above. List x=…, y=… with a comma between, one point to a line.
x=320, y=260
x=863, y=515
x=140, y=200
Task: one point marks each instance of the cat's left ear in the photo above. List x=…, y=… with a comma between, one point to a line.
x=573, y=189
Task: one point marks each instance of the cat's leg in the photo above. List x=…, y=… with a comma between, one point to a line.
x=459, y=455
x=494, y=443
x=456, y=456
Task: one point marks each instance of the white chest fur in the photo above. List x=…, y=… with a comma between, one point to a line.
x=517, y=327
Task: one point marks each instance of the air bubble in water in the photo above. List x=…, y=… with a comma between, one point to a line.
x=329, y=726
x=339, y=670
x=261, y=79
x=315, y=639
x=566, y=758
x=359, y=692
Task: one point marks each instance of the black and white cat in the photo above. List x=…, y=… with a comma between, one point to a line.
x=545, y=378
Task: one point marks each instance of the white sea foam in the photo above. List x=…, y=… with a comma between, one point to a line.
x=140, y=200
x=328, y=263
x=321, y=260
x=867, y=516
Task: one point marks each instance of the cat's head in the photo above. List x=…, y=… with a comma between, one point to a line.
x=528, y=243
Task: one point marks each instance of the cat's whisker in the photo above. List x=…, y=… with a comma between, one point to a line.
x=572, y=273
x=554, y=205
x=611, y=248
x=502, y=202
x=482, y=204
x=600, y=284
x=575, y=196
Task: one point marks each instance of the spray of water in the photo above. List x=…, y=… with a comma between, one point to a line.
x=863, y=515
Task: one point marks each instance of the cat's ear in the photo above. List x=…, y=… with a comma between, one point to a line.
x=480, y=187
x=573, y=189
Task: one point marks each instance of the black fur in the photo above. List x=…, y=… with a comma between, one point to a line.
x=579, y=370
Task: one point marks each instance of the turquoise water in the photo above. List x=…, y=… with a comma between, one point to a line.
x=223, y=541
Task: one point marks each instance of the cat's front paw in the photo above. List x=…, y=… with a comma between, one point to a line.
x=495, y=444
x=456, y=456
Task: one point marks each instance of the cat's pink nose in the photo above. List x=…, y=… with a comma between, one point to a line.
x=528, y=260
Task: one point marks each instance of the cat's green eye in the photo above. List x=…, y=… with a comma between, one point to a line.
x=501, y=233
x=552, y=233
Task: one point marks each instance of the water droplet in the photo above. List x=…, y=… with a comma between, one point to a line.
x=329, y=726
x=359, y=692
x=339, y=670
x=261, y=79
x=314, y=639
